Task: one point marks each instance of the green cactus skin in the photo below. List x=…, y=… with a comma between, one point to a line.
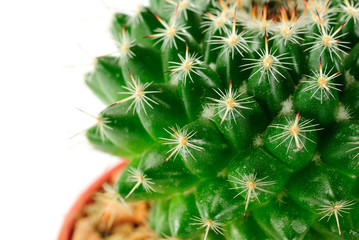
x=107, y=79
x=159, y=217
x=351, y=99
x=351, y=62
x=236, y=126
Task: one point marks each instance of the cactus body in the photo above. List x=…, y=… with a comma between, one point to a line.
x=241, y=121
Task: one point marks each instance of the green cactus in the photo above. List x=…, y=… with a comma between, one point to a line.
x=240, y=119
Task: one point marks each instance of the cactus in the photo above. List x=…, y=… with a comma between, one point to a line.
x=240, y=119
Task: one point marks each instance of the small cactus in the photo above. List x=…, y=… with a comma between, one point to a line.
x=240, y=118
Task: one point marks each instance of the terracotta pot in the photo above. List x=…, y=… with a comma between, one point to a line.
x=76, y=210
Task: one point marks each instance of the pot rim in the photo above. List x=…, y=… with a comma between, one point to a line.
x=84, y=198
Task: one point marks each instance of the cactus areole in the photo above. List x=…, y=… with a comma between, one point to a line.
x=240, y=118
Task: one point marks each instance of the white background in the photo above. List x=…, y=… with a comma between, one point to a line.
x=41, y=170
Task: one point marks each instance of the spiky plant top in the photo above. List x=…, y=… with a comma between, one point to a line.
x=241, y=120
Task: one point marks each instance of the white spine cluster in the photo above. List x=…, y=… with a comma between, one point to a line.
x=268, y=63
x=321, y=83
x=350, y=11
x=230, y=103
x=170, y=32
x=250, y=184
x=233, y=42
x=137, y=92
x=187, y=65
x=293, y=132
x=328, y=40
x=124, y=46
x=208, y=224
x=183, y=142
x=336, y=209
x=139, y=178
